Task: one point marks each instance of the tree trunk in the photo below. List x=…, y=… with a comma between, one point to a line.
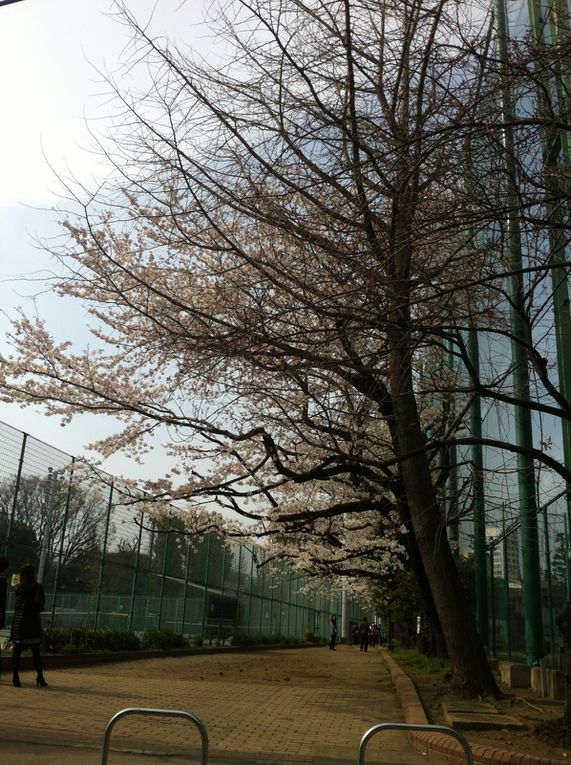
x=471, y=669
x=434, y=628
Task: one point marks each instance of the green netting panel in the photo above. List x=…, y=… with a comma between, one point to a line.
x=194, y=611
x=11, y=442
x=256, y=619
x=108, y=567
x=232, y=568
x=243, y=614
x=554, y=558
x=172, y=605
x=246, y=567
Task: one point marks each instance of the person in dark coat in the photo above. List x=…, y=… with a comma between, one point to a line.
x=333, y=632
x=3, y=587
x=364, y=634
x=26, y=631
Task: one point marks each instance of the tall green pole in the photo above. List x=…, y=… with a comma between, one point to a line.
x=61, y=542
x=103, y=556
x=136, y=574
x=478, y=512
x=520, y=376
x=549, y=583
x=556, y=158
x=205, y=596
x=506, y=586
x=493, y=603
x=452, y=488
x=16, y=492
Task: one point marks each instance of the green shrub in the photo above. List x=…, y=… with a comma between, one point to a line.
x=59, y=639
x=163, y=640
x=196, y=641
x=114, y=641
x=244, y=639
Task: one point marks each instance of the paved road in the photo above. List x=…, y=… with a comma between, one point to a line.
x=286, y=706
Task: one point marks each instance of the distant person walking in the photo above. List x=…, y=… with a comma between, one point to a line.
x=26, y=631
x=3, y=588
x=333, y=633
x=373, y=634
x=355, y=633
x=364, y=634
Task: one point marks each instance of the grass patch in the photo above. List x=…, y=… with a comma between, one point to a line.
x=419, y=663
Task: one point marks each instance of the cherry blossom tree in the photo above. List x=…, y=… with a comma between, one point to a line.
x=288, y=244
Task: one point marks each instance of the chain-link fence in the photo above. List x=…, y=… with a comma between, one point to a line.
x=505, y=582
x=108, y=566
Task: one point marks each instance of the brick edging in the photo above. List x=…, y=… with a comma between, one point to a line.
x=438, y=743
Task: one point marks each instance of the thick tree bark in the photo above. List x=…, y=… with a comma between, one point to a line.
x=437, y=641
x=470, y=666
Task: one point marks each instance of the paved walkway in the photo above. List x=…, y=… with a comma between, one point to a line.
x=285, y=706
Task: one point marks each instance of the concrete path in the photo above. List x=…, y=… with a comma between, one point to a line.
x=299, y=706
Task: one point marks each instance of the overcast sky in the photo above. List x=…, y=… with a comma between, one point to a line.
x=50, y=54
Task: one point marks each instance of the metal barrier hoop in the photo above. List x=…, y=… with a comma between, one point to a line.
x=413, y=727
x=155, y=713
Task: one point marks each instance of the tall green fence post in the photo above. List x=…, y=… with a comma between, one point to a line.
x=205, y=596
x=238, y=588
x=186, y=576
x=506, y=586
x=163, y=571
x=493, y=603
x=16, y=492
x=136, y=572
x=520, y=374
x=103, y=555
x=549, y=583
x=62, y=541
x=555, y=150
x=479, y=510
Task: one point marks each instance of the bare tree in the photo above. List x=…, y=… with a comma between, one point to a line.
x=75, y=515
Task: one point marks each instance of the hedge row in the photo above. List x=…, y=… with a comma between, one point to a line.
x=58, y=639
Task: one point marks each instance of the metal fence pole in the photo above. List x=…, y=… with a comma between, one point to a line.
x=520, y=368
x=506, y=586
x=205, y=596
x=222, y=582
x=479, y=511
x=492, y=603
x=103, y=554
x=62, y=541
x=249, y=619
x=238, y=587
x=185, y=591
x=549, y=582
x=136, y=573
x=52, y=480
x=567, y=559
x=262, y=599
x=163, y=572
x=16, y=492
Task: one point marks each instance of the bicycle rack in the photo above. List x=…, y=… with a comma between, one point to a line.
x=412, y=727
x=155, y=713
